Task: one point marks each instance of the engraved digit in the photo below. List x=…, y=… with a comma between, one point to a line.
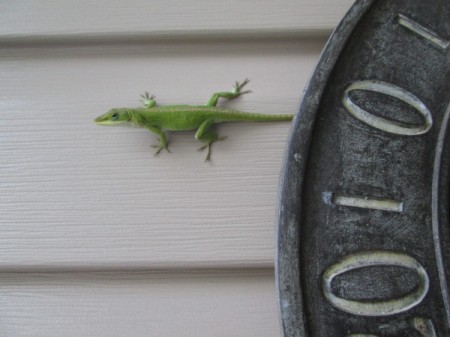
x=379, y=308
x=424, y=326
x=422, y=31
x=364, y=202
x=399, y=128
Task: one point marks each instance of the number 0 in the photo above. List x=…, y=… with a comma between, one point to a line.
x=375, y=258
x=396, y=127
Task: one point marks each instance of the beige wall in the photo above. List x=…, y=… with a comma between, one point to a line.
x=97, y=236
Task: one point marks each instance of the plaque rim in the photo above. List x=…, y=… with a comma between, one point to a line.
x=287, y=260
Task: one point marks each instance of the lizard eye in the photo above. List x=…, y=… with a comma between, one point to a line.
x=114, y=116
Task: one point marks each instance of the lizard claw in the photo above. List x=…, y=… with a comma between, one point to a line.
x=208, y=146
x=238, y=87
x=208, y=156
x=146, y=95
x=200, y=149
x=160, y=148
x=147, y=100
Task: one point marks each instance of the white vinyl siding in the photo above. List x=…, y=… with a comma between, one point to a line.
x=99, y=238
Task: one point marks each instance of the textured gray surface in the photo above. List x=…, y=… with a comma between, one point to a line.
x=363, y=237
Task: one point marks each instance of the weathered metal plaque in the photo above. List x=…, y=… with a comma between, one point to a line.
x=363, y=233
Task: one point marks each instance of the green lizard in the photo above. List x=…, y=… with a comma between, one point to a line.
x=159, y=119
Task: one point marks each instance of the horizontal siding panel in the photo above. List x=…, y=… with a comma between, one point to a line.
x=97, y=236
x=33, y=19
x=77, y=195
x=195, y=304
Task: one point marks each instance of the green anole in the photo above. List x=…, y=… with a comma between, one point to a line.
x=159, y=119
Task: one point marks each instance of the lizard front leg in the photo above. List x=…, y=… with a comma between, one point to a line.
x=147, y=100
x=205, y=134
x=163, y=143
x=236, y=92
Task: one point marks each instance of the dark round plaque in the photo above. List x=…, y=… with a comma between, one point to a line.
x=363, y=232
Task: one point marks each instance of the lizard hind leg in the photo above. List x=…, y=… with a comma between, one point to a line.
x=209, y=138
x=236, y=92
x=206, y=135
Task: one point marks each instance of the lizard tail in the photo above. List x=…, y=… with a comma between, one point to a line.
x=237, y=116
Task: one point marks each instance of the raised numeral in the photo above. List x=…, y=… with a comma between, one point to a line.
x=364, y=202
x=422, y=31
x=395, y=127
x=424, y=326
x=379, y=308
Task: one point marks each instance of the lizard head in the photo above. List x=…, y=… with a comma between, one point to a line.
x=113, y=117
